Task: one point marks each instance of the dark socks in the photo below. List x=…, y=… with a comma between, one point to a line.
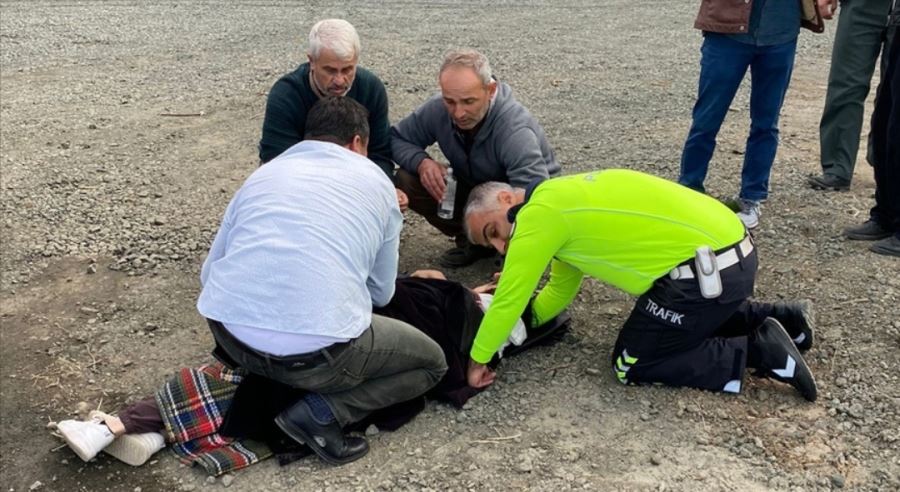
x=319, y=407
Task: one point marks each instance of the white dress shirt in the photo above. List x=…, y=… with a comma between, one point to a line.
x=307, y=245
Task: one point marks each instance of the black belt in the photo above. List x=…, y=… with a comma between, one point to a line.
x=312, y=359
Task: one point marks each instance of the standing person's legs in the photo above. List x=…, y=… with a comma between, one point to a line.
x=858, y=39
x=886, y=123
x=770, y=73
x=723, y=63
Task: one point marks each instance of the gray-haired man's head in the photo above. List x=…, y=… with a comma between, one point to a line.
x=333, y=55
x=467, y=87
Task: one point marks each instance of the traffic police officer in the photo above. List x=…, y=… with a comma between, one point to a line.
x=687, y=257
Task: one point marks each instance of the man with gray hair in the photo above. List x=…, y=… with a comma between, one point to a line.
x=332, y=70
x=484, y=133
x=687, y=256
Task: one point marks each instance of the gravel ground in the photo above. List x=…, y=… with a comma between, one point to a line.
x=109, y=202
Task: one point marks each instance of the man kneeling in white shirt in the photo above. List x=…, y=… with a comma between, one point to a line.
x=307, y=246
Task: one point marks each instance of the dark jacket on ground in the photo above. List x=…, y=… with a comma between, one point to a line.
x=445, y=311
x=291, y=98
x=510, y=146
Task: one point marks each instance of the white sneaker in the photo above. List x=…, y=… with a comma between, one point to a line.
x=750, y=212
x=132, y=449
x=85, y=438
x=135, y=449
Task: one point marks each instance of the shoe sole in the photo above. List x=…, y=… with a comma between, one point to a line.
x=785, y=339
x=302, y=437
x=884, y=251
x=829, y=188
x=866, y=237
x=816, y=185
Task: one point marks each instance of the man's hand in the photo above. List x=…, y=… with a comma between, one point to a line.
x=434, y=274
x=487, y=288
x=827, y=8
x=402, y=200
x=431, y=175
x=479, y=375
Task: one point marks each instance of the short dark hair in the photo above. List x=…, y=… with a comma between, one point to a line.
x=337, y=120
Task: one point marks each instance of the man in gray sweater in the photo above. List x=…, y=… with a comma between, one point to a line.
x=484, y=133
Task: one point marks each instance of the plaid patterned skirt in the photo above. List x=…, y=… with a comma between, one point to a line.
x=193, y=405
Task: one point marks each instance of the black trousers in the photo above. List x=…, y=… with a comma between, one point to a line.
x=674, y=336
x=885, y=142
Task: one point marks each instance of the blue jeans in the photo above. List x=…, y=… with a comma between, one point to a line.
x=723, y=64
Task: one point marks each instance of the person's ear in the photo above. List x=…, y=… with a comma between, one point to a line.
x=492, y=88
x=311, y=60
x=505, y=197
x=359, y=146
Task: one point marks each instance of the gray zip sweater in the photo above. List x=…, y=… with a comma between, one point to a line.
x=510, y=146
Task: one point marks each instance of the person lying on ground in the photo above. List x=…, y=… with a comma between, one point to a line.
x=217, y=419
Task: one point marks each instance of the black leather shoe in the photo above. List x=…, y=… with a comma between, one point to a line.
x=888, y=246
x=798, y=319
x=828, y=182
x=867, y=231
x=780, y=359
x=328, y=441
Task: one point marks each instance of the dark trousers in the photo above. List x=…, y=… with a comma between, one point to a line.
x=861, y=35
x=885, y=149
x=422, y=203
x=141, y=417
x=390, y=362
x=675, y=336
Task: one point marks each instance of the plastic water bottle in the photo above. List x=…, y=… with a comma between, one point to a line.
x=445, y=209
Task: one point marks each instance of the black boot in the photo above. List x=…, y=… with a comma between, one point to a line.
x=779, y=359
x=328, y=441
x=798, y=318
